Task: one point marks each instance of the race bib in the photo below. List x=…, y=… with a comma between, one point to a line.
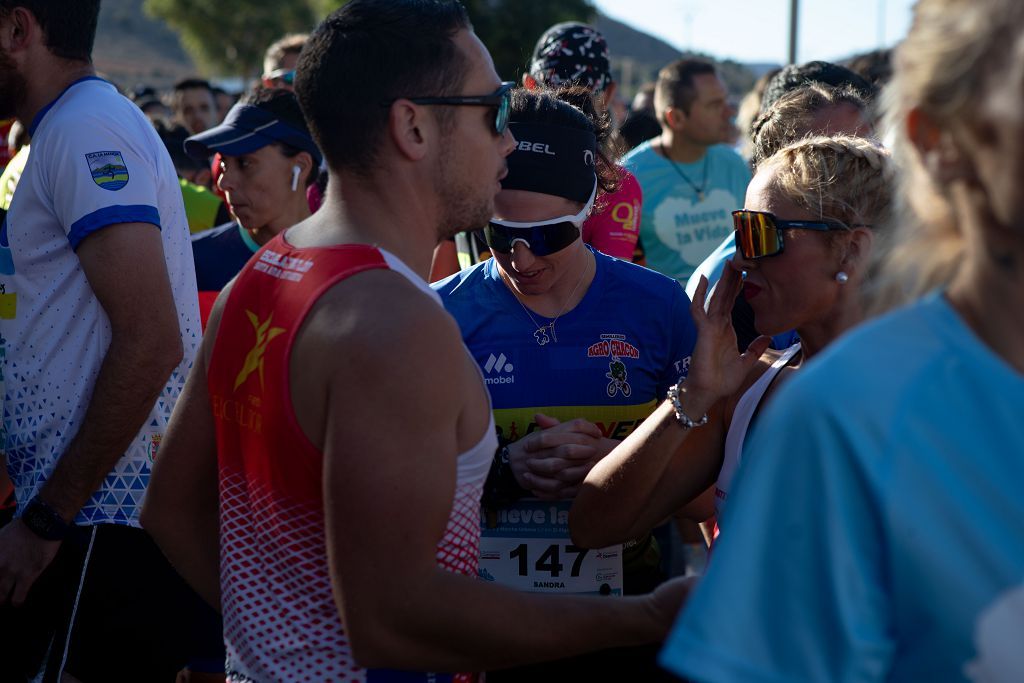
x=529, y=549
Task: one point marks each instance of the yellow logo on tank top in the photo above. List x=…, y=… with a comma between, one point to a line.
x=254, y=359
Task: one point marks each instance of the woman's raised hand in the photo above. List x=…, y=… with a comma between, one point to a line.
x=717, y=369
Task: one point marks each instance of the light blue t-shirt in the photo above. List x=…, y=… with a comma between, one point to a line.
x=713, y=265
x=677, y=228
x=876, y=531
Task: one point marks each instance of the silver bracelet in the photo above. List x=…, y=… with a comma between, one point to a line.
x=684, y=420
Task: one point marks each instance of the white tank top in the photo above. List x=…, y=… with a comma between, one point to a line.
x=741, y=423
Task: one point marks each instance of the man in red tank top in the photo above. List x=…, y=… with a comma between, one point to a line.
x=320, y=478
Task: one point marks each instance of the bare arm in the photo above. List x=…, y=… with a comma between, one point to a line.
x=389, y=478
x=662, y=466
x=658, y=468
x=181, y=510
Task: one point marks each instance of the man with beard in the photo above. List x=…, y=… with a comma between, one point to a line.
x=336, y=409
x=100, y=330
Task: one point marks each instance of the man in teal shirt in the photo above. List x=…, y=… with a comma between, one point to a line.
x=691, y=181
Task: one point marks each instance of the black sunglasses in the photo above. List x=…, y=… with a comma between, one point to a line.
x=500, y=99
x=540, y=237
x=541, y=240
x=759, y=233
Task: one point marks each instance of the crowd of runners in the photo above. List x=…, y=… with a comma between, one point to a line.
x=393, y=370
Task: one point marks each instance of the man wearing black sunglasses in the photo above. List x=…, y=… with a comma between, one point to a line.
x=335, y=408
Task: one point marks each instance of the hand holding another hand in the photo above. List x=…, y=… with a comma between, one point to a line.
x=553, y=461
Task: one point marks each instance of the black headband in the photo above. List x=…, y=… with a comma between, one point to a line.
x=552, y=159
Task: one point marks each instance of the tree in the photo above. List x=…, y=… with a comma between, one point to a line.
x=229, y=37
x=510, y=28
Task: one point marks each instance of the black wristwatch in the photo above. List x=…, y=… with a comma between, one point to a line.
x=44, y=522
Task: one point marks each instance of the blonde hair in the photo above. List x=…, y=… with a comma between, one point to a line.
x=841, y=178
x=957, y=53
x=290, y=44
x=790, y=115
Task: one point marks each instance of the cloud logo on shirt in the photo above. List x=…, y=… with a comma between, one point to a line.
x=108, y=170
x=694, y=229
x=997, y=640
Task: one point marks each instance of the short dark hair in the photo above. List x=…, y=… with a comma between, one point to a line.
x=675, y=84
x=825, y=73
x=192, y=83
x=69, y=25
x=364, y=56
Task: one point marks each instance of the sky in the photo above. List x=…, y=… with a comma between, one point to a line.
x=756, y=31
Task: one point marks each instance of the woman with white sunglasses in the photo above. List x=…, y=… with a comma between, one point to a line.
x=576, y=348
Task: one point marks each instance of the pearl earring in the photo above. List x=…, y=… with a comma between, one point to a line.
x=842, y=278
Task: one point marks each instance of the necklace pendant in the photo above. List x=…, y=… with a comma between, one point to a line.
x=541, y=335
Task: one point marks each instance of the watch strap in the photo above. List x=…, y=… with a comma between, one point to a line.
x=43, y=521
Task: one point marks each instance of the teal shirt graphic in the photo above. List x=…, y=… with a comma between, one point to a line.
x=876, y=528
x=677, y=228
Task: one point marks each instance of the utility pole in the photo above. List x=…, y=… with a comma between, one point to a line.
x=794, y=14
x=881, y=24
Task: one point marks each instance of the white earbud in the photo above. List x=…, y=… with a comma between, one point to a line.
x=296, y=170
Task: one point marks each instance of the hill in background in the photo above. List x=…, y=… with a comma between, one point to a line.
x=637, y=57
x=132, y=48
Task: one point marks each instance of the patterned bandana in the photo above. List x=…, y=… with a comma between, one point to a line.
x=572, y=53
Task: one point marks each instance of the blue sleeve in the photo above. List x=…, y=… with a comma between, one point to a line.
x=100, y=175
x=713, y=265
x=796, y=587
x=684, y=337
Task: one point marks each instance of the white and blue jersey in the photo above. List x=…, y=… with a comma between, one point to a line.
x=617, y=351
x=96, y=161
x=876, y=531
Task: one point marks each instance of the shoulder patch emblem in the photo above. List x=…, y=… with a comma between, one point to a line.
x=108, y=170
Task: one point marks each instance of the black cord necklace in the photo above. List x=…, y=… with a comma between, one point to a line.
x=704, y=173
